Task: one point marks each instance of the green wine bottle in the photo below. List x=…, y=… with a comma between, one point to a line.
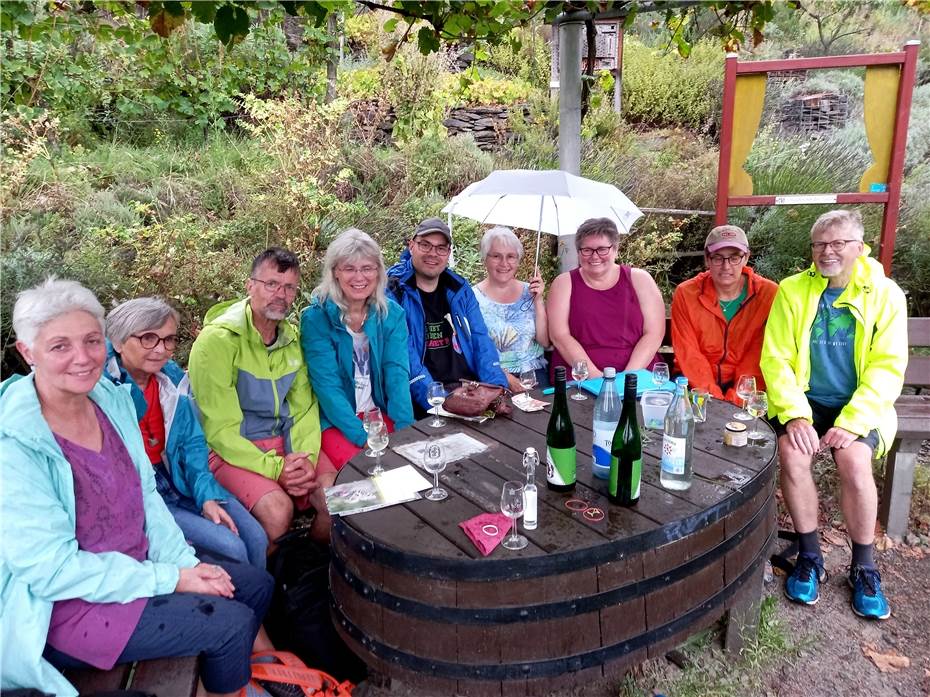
x=560, y=440
x=626, y=452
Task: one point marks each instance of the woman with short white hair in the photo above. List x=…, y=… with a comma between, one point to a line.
x=514, y=311
x=87, y=540
x=143, y=334
x=354, y=340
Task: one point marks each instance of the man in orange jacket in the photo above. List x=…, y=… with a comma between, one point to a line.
x=718, y=317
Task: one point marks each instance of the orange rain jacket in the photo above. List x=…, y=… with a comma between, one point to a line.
x=711, y=352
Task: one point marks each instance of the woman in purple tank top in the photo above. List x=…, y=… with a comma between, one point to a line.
x=603, y=313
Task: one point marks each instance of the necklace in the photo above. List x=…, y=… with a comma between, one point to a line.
x=727, y=305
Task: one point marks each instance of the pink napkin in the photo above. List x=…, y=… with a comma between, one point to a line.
x=477, y=530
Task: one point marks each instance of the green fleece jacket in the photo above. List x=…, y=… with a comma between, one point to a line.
x=880, y=348
x=247, y=391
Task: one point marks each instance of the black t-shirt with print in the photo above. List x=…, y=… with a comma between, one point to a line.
x=443, y=356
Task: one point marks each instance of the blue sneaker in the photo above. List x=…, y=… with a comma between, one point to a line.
x=803, y=584
x=868, y=600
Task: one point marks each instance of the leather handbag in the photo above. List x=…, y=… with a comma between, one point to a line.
x=478, y=399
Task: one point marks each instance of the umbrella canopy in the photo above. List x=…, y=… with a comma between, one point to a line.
x=550, y=201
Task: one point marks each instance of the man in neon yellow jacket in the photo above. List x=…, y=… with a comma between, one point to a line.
x=834, y=357
x=259, y=413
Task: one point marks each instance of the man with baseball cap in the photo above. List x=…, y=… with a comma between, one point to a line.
x=718, y=317
x=448, y=338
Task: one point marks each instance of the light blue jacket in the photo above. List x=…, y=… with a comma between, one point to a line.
x=186, y=453
x=328, y=350
x=39, y=559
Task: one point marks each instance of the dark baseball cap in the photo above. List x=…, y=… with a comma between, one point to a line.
x=431, y=225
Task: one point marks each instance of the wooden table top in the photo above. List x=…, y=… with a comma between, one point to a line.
x=424, y=536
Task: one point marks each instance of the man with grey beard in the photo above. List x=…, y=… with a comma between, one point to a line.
x=259, y=413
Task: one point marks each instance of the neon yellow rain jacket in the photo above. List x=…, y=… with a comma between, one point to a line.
x=880, y=348
x=246, y=391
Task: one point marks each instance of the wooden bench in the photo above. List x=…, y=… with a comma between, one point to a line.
x=913, y=428
x=164, y=677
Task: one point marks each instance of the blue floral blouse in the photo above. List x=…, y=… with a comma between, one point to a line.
x=512, y=328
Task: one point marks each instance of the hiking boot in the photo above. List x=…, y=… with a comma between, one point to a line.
x=803, y=584
x=867, y=599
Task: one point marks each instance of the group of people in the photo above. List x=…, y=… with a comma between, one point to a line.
x=139, y=501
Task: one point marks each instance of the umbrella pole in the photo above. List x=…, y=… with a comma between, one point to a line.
x=542, y=200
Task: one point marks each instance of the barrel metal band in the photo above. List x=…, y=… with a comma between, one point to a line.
x=565, y=608
x=553, y=667
x=536, y=566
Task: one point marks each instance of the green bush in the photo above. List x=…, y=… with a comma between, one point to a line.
x=491, y=90
x=663, y=89
x=360, y=83
x=444, y=165
x=526, y=56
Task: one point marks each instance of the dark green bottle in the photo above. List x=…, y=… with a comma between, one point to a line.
x=626, y=452
x=560, y=440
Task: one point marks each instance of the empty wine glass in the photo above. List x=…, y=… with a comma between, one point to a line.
x=371, y=416
x=436, y=395
x=757, y=405
x=378, y=442
x=512, y=504
x=579, y=373
x=527, y=382
x=745, y=386
x=434, y=461
x=660, y=374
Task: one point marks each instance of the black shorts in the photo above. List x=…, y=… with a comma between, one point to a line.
x=824, y=419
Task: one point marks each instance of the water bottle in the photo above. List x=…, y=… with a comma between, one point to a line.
x=676, y=464
x=560, y=440
x=530, y=460
x=606, y=416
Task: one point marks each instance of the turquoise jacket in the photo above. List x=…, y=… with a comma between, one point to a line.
x=879, y=350
x=186, y=453
x=328, y=352
x=39, y=559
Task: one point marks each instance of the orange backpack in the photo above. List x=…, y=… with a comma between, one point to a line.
x=287, y=675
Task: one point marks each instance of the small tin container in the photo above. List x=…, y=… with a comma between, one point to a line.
x=734, y=434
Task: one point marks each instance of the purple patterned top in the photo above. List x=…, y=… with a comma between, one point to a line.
x=109, y=518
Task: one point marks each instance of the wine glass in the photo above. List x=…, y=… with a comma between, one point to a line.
x=579, y=373
x=757, y=405
x=436, y=395
x=527, y=382
x=434, y=461
x=512, y=504
x=745, y=386
x=371, y=416
x=660, y=374
x=378, y=442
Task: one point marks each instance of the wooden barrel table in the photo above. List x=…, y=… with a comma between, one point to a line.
x=585, y=600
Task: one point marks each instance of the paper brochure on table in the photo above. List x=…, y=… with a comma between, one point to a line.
x=394, y=486
x=456, y=446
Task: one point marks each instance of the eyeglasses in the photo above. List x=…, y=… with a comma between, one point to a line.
x=587, y=252
x=273, y=286
x=427, y=247
x=732, y=260
x=511, y=258
x=835, y=245
x=150, y=340
x=364, y=270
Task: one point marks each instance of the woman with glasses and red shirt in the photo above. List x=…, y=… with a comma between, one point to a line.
x=604, y=313
x=718, y=317
x=142, y=336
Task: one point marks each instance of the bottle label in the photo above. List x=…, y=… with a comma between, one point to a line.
x=635, y=475
x=529, y=512
x=603, y=441
x=673, y=454
x=560, y=466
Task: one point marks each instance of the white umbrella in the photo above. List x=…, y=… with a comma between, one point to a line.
x=550, y=201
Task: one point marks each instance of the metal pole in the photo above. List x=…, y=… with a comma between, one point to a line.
x=570, y=31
